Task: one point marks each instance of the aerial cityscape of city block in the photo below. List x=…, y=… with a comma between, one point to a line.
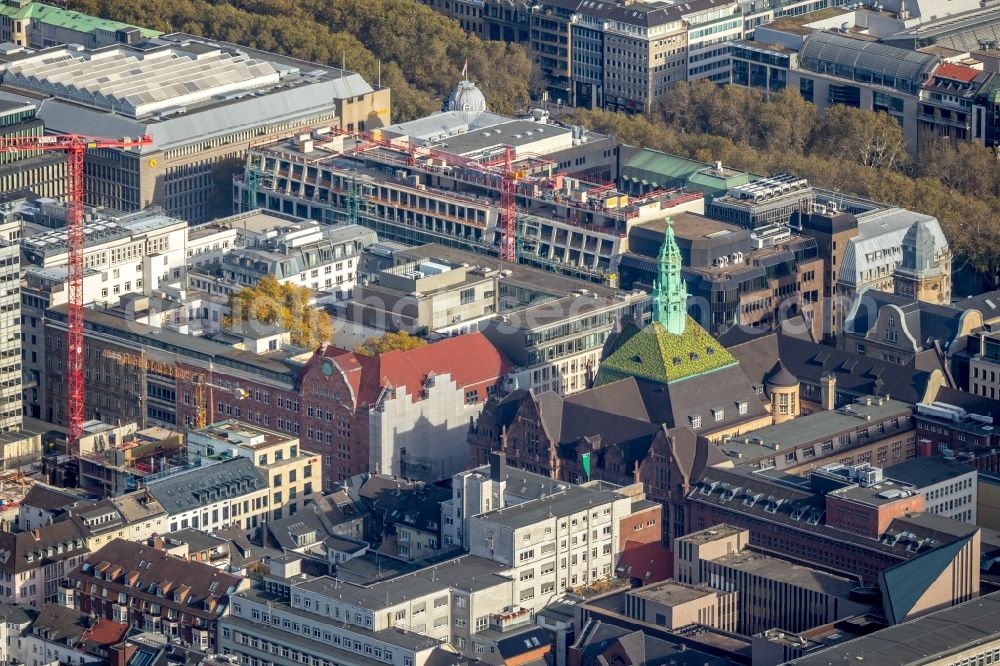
x=499, y=333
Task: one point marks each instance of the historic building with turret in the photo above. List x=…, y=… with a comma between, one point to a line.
x=661, y=396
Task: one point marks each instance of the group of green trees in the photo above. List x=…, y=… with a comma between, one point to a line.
x=845, y=149
x=421, y=52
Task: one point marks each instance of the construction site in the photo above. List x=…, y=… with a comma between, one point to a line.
x=489, y=186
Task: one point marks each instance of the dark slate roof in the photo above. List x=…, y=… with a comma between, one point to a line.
x=675, y=404
x=693, y=454
x=756, y=351
x=987, y=303
x=973, y=404
x=416, y=505
x=48, y=498
x=504, y=410
x=904, y=584
x=780, y=377
x=927, y=471
x=344, y=545
x=621, y=398
x=122, y=564
x=809, y=361
x=599, y=641
x=526, y=641
x=11, y=614
x=926, y=322
x=59, y=623
x=856, y=375
x=242, y=551
x=284, y=530
x=772, y=500
x=103, y=515
x=22, y=551
x=196, y=540
x=613, y=412
x=945, y=632
x=336, y=508
x=187, y=490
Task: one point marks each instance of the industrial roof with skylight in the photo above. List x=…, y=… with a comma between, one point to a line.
x=136, y=83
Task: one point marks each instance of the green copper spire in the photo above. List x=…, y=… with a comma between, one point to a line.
x=669, y=290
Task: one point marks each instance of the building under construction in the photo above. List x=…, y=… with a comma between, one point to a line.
x=441, y=179
x=119, y=459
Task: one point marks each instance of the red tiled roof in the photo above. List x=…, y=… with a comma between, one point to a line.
x=947, y=70
x=468, y=359
x=651, y=562
x=355, y=368
x=105, y=632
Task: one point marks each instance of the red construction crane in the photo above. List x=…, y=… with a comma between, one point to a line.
x=74, y=145
x=509, y=178
x=508, y=208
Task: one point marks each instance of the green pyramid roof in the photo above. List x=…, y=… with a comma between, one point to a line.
x=656, y=355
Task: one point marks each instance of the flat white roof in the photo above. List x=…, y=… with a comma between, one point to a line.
x=136, y=83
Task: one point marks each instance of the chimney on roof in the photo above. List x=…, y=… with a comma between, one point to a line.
x=498, y=478
x=37, y=534
x=828, y=391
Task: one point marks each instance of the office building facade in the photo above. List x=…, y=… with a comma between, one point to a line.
x=270, y=95
x=11, y=410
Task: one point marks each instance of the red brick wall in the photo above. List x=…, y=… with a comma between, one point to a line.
x=341, y=441
x=795, y=544
x=645, y=533
x=865, y=519
x=344, y=445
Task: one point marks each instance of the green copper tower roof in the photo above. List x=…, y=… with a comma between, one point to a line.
x=674, y=346
x=657, y=355
x=669, y=290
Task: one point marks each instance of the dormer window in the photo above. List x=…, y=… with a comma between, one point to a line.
x=695, y=421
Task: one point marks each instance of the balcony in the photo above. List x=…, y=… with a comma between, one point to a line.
x=511, y=618
x=950, y=122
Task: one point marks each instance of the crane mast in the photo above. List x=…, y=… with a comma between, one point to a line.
x=74, y=145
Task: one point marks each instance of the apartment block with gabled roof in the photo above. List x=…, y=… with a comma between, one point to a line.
x=149, y=589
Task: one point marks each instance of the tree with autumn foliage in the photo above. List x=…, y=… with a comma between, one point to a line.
x=391, y=341
x=844, y=149
x=281, y=304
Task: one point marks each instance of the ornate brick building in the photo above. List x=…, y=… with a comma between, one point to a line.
x=404, y=412
x=662, y=395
